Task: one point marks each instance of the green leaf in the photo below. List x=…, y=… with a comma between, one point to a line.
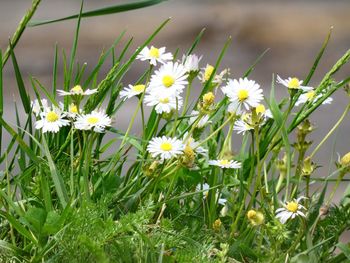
x=318, y=58
x=19, y=227
x=22, y=90
x=56, y=177
x=52, y=224
x=103, y=11
x=36, y=216
x=20, y=141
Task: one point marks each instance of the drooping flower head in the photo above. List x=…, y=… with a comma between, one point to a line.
x=204, y=120
x=293, y=83
x=76, y=91
x=154, y=55
x=224, y=163
x=164, y=103
x=191, y=62
x=38, y=107
x=311, y=96
x=131, y=91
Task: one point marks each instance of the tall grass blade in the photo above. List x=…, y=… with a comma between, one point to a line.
x=102, y=11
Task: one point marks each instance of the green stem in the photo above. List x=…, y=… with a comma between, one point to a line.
x=331, y=131
x=340, y=177
x=188, y=91
x=20, y=29
x=216, y=131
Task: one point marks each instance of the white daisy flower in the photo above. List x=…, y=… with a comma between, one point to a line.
x=163, y=102
x=165, y=148
x=51, y=120
x=312, y=97
x=131, y=91
x=266, y=113
x=293, y=83
x=170, y=79
x=191, y=62
x=189, y=141
x=242, y=127
x=154, y=55
x=205, y=75
x=224, y=163
x=204, y=120
x=76, y=91
x=72, y=111
x=205, y=187
x=96, y=121
x=290, y=210
x=37, y=108
x=243, y=92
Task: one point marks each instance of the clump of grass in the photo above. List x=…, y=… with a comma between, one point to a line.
x=177, y=191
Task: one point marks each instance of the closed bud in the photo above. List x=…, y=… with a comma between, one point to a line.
x=217, y=224
x=345, y=160
x=189, y=157
x=256, y=218
x=308, y=167
x=208, y=99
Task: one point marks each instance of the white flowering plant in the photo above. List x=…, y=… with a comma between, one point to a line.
x=76, y=187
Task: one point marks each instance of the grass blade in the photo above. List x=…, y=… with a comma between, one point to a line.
x=22, y=90
x=103, y=11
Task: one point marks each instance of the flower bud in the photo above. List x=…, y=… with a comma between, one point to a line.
x=345, y=160
x=217, y=224
x=208, y=99
x=256, y=218
x=308, y=167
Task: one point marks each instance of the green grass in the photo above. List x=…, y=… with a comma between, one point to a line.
x=82, y=196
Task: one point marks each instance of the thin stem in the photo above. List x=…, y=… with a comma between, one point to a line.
x=331, y=131
x=216, y=131
x=20, y=29
x=188, y=91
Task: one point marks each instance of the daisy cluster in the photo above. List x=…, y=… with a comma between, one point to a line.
x=51, y=118
x=164, y=92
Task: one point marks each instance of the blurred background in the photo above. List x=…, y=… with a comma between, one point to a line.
x=292, y=30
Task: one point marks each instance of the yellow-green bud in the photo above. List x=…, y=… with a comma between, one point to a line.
x=217, y=224
x=345, y=160
x=256, y=218
x=208, y=99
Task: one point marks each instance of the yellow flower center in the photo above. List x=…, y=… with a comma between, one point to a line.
x=310, y=95
x=52, y=116
x=92, y=120
x=139, y=88
x=243, y=94
x=166, y=146
x=164, y=100
x=224, y=162
x=294, y=83
x=154, y=52
x=77, y=89
x=73, y=109
x=260, y=109
x=292, y=206
x=168, y=81
x=208, y=72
